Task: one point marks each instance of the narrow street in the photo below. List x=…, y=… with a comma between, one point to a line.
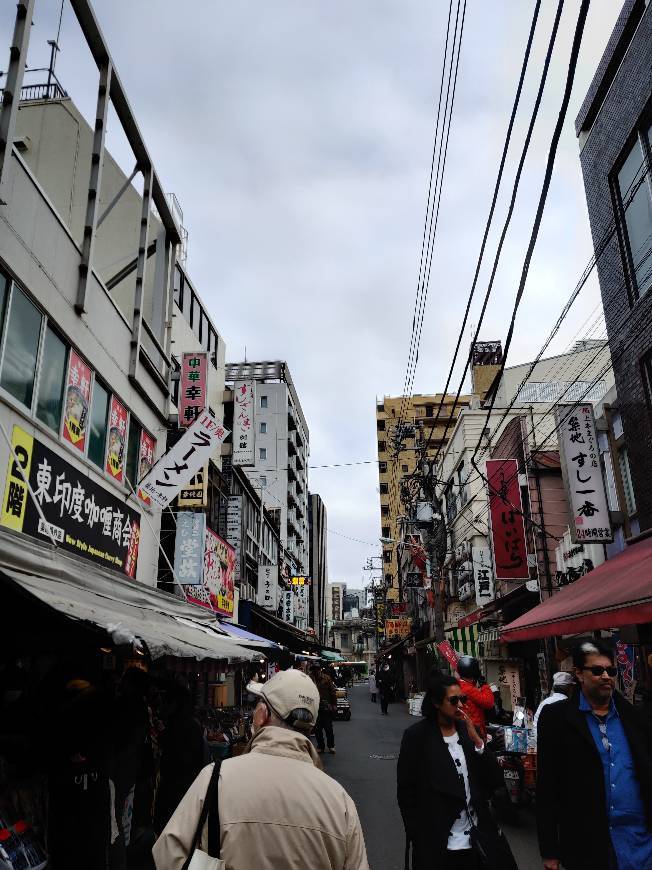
x=365, y=763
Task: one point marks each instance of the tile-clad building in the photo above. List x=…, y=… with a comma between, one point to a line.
x=614, y=129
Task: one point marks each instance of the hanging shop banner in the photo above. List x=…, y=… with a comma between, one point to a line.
x=234, y=531
x=78, y=397
x=192, y=387
x=302, y=605
x=196, y=493
x=446, y=649
x=243, y=423
x=400, y=627
x=115, y=455
x=580, y=462
x=79, y=514
x=509, y=678
x=268, y=587
x=288, y=606
x=507, y=526
x=189, y=548
x=176, y=467
x=145, y=461
x=219, y=568
x=483, y=575
x=300, y=581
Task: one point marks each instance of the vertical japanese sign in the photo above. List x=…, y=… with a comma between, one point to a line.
x=76, y=407
x=192, y=387
x=189, y=548
x=400, y=627
x=288, y=606
x=196, y=493
x=446, y=649
x=191, y=452
x=625, y=663
x=234, y=531
x=145, y=461
x=303, y=606
x=219, y=568
x=268, y=587
x=243, y=423
x=507, y=526
x=483, y=575
x=580, y=461
x=115, y=455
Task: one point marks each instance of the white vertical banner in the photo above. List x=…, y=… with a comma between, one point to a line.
x=582, y=472
x=302, y=605
x=234, y=531
x=268, y=587
x=483, y=575
x=288, y=606
x=189, y=548
x=244, y=432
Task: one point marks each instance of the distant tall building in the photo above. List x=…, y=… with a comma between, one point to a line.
x=270, y=442
x=402, y=426
x=317, y=527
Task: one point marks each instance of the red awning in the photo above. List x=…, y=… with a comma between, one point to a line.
x=618, y=592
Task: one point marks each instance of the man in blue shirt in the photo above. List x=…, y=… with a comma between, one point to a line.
x=594, y=788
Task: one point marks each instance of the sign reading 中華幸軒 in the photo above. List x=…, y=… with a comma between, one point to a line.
x=507, y=525
x=483, y=575
x=268, y=587
x=189, y=548
x=193, y=384
x=176, y=467
x=115, y=454
x=243, y=423
x=77, y=402
x=582, y=472
x=81, y=516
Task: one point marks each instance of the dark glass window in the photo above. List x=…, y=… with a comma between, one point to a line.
x=52, y=380
x=387, y=555
x=213, y=346
x=99, y=414
x=186, y=301
x=21, y=348
x=133, y=450
x=384, y=489
x=196, y=316
x=636, y=214
x=178, y=287
x=4, y=294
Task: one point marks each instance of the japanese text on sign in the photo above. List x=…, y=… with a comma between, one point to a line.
x=288, y=606
x=234, y=531
x=483, y=575
x=145, y=461
x=582, y=471
x=268, y=587
x=507, y=526
x=78, y=396
x=195, y=493
x=189, y=548
x=183, y=461
x=400, y=627
x=192, y=387
x=243, y=423
x=115, y=455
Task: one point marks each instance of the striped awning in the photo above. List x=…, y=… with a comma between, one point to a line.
x=464, y=640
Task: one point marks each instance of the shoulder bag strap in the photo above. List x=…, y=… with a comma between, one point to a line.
x=211, y=797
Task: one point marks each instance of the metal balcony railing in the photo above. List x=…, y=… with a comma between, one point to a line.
x=45, y=91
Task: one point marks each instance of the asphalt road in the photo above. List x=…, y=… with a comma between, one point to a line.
x=365, y=764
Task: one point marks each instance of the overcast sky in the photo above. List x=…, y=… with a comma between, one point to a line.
x=297, y=136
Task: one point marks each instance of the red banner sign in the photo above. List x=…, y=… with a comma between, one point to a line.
x=115, y=456
x=448, y=653
x=145, y=462
x=192, y=389
x=507, y=526
x=78, y=397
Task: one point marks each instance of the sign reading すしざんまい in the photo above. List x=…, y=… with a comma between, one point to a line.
x=79, y=514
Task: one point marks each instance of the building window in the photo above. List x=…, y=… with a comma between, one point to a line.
x=384, y=488
x=52, y=379
x=178, y=287
x=344, y=639
x=21, y=348
x=381, y=446
x=381, y=425
x=404, y=468
x=263, y=480
x=263, y=401
x=388, y=579
x=99, y=415
x=386, y=532
x=133, y=450
x=634, y=206
x=630, y=500
x=646, y=365
x=384, y=510
x=262, y=453
x=387, y=556
x=263, y=429
x=186, y=302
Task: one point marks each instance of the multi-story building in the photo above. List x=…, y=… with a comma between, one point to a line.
x=317, y=527
x=403, y=424
x=614, y=130
x=273, y=449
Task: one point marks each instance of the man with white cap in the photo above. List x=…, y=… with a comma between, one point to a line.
x=277, y=809
x=562, y=688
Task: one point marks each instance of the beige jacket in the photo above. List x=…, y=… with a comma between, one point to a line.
x=278, y=811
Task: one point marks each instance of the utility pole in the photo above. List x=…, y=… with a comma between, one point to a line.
x=432, y=521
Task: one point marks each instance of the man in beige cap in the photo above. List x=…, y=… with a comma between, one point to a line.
x=562, y=688
x=277, y=809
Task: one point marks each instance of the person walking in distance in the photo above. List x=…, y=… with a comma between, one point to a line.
x=273, y=808
x=384, y=685
x=480, y=698
x=594, y=782
x=327, y=708
x=562, y=688
x=444, y=778
x=372, y=686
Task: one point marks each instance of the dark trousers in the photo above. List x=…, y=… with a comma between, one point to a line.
x=461, y=859
x=325, y=723
x=373, y=697
x=384, y=700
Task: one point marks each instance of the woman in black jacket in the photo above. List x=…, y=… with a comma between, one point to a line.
x=444, y=779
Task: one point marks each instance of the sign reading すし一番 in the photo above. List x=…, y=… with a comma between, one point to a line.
x=80, y=515
x=580, y=460
x=175, y=468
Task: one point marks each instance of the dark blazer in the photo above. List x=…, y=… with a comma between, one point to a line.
x=572, y=815
x=430, y=794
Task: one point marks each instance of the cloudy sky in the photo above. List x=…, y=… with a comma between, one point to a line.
x=298, y=135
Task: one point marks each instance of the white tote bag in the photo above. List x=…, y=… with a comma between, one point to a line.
x=199, y=860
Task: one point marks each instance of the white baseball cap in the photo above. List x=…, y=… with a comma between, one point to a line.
x=288, y=691
x=562, y=678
